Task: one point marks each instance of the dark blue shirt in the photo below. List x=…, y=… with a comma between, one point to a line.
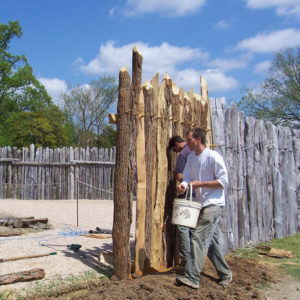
x=181, y=159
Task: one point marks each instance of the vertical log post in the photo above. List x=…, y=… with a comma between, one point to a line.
x=122, y=201
x=127, y=129
x=140, y=255
x=205, y=121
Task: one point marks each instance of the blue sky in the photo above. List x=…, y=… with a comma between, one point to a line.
x=231, y=43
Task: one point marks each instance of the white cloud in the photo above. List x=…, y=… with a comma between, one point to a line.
x=271, y=42
x=283, y=7
x=55, y=87
x=262, y=67
x=222, y=24
x=216, y=80
x=163, y=58
x=230, y=64
x=169, y=8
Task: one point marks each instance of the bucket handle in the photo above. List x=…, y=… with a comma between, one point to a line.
x=191, y=194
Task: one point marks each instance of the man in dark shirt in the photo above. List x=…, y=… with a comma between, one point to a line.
x=178, y=145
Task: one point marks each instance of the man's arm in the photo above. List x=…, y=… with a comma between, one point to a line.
x=206, y=184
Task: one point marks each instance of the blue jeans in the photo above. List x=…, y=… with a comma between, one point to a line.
x=205, y=242
x=184, y=241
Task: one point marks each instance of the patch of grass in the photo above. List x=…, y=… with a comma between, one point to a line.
x=289, y=266
x=65, y=285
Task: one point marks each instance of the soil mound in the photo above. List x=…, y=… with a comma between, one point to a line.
x=248, y=277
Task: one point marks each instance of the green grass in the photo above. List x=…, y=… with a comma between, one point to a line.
x=55, y=287
x=288, y=266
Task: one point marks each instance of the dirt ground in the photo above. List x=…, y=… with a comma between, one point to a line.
x=251, y=280
x=248, y=280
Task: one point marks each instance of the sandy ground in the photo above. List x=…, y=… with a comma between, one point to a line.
x=62, y=216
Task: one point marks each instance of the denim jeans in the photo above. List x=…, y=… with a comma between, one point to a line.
x=184, y=241
x=205, y=242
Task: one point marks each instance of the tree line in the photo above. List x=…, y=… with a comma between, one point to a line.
x=29, y=116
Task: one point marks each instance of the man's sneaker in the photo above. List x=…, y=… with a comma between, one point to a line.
x=181, y=280
x=225, y=281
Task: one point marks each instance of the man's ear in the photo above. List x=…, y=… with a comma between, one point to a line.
x=176, y=144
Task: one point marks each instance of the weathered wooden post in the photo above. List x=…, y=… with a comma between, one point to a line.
x=122, y=201
x=125, y=164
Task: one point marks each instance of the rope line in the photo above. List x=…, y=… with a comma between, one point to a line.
x=66, y=231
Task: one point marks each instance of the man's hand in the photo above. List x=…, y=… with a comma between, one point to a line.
x=180, y=189
x=179, y=176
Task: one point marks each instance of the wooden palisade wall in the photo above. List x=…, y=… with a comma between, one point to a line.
x=45, y=173
x=159, y=111
x=263, y=162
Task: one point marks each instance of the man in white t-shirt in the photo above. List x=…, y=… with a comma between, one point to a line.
x=206, y=171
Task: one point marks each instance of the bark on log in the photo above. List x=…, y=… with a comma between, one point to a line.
x=127, y=127
x=122, y=196
x=30, y=275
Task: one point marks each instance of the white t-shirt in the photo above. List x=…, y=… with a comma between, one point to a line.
x=208, y=165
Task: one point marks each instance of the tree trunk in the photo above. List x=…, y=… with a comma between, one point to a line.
x=122, y=190
x=127, y=130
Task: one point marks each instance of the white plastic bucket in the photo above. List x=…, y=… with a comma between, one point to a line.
x=186, y=212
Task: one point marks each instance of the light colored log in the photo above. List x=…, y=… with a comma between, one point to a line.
x=251, y=180
x=150, y=159
x=187, y=114
x=289, y=185
x=25, y=174
x=15, y=175
x=140, y=256
x=205, y=112
x=218, y=109
x=162, y=173
x=9, y=175
x=296, y=151
x=112, y=118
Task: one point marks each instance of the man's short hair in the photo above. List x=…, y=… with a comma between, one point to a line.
x=198, y=132
x=175, y=139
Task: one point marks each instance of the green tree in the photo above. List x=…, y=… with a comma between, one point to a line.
x=108, y=137
x=21, y=93
x=278, y=100
x=25, y=128
x=87, y=108
x=19, y=89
